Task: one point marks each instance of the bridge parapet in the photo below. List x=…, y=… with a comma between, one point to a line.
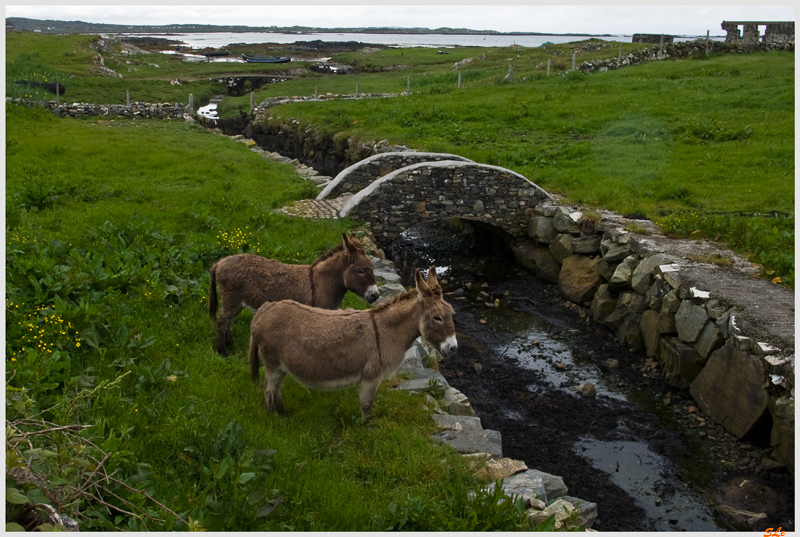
x=446, y=189
x=364, y=172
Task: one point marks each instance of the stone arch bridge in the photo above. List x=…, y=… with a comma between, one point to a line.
x=394, y=191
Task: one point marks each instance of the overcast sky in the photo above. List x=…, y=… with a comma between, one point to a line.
x=569, y=17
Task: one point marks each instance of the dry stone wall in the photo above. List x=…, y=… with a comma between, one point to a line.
x=683, y=315
x=135, y=110
x=446, y=189
x=682, y=49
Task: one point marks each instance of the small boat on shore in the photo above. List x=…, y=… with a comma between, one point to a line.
x=265, y=59
x=216, y=53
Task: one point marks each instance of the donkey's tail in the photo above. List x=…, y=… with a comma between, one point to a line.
x=254, y=359
x=212, y=293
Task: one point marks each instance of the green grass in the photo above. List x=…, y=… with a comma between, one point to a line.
x=662, y=138
x=111, y=227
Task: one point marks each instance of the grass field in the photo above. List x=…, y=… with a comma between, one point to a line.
x=111, y=227
x=112, y=224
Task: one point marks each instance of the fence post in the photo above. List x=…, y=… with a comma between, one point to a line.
x=459, y=80
x=128, y=97
x=661, y=48
x=252, y=103
x=315, y=92
x=573, y=60
x=58, y=96
x=620, y=52
x=191, y=104
x=510, y=73
x=548, y=67
x=408, y=85
x=707, y=32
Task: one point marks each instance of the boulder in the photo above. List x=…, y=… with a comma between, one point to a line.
x=709, y=340
x=629, y=334
x=617, y=253
x=412, y=360
x=484, y=441
x=651, y=335
x=457, y=403
x=561, y=247
x=782, y=436
x=578, y=279
x=587, y=245
x=457, y=423
x=537, y=258
x=540, y=228
x=504, y=468
x=422, y=380
x=642, y=277
x=566, y=222
x=560, y=509
x=680, y=362
x=731, y=389
x=603, y=303
x=554, y=486
x=587, y=511
x=621, y=279
x=690, y=321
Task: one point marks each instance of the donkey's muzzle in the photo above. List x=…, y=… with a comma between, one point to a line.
x=372, y=294
x=449, y=347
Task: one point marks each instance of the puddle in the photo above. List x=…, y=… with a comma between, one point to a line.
x=665, y=484
x=670, y=504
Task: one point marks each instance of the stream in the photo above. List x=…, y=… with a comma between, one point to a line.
x=523, y=353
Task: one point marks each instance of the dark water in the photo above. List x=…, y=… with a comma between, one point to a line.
x=541, y=344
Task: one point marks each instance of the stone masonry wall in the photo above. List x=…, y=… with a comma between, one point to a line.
x=446, y=189
x=682, y=49
x=135, y=110
x=363, y=173
x=657, y=302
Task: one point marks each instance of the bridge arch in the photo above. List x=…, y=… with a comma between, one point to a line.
x=362, y=173
x=446, y=189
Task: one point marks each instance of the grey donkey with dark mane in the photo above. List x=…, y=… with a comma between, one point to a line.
x=330, y=350
x=247, y=280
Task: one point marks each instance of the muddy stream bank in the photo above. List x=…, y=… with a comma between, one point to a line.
x=637, y=447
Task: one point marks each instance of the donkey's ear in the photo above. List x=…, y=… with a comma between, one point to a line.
x=422, y=287
x=348, y=246
x=433, y=281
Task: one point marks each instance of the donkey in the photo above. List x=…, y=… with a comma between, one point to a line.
x=249, y=281
x=330, y=350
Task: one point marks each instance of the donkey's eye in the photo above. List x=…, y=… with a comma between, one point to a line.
x=361, y=272
x=438, y=319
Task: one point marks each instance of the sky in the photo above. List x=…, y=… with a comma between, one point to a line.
x=568, y=17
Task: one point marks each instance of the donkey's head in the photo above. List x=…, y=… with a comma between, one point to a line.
x=358, y=275
x=436, y=321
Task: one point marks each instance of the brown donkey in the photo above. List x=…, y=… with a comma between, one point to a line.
x=249, y=281
x=329, y=350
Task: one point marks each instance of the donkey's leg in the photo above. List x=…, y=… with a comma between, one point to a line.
x=273, y=379
x=366, y=397
x=226, y=317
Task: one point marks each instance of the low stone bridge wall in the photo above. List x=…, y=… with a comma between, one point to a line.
x=363, y=173
x=237, y=85
x=446, y=189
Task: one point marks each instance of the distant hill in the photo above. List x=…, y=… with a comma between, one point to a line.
x=79, y=27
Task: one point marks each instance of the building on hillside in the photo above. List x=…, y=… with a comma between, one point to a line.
x=655, y=39
x=774, y=32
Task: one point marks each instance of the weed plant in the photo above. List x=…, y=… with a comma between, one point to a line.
x=116, y=398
